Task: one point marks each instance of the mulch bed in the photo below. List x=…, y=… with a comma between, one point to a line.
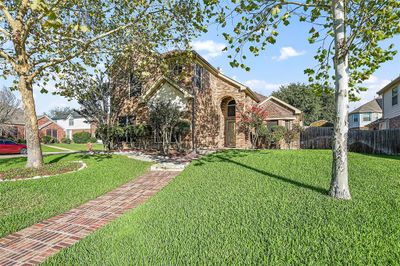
x=46, y=170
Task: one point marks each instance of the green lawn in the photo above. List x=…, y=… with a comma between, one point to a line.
x=24, y=203
x=269, y=207
x=78, y=147
x=50, y=149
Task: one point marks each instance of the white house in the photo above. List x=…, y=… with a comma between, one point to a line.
x=391, y=105
x=74, y=123
x=364, y=115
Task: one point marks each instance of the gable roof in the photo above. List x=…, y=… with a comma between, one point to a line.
x=74, y=114
x=374, y=106
x=390, y=85
x=51, y=121
x=158, y=84
x=17, y=118
x=219, y=74
x=273, y=98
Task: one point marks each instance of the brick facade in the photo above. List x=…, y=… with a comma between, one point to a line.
x=51, y=128
x=210, y=107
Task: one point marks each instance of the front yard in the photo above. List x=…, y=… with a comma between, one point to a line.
x=23, y=203
x=267, y=207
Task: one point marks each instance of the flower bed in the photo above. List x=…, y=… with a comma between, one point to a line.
x=47, y=170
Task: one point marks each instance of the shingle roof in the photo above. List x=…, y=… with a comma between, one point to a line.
x=374, y=106
x=63, y=117
x=17, y=117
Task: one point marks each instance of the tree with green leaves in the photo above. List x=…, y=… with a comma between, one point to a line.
x=350, y=33
x=315, y=106
x=43, y=40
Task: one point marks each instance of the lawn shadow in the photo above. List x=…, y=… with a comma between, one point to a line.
x=97, y=156
x=228, y=156
x=58, y=158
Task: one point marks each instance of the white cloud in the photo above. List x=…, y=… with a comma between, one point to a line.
x=262, y=86
x=208, y=48
x=287, y=52
x=374, y=84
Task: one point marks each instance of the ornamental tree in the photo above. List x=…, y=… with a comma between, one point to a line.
x=253, y=121
x=41, y=40
x=350, y=34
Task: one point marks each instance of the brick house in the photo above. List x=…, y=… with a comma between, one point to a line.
x=391, y=105
x=48, y=127
x=212, y=101
x=15, y=127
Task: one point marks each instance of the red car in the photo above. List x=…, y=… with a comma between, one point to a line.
x=8, y=147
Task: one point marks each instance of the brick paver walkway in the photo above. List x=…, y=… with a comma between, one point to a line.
x=34, y=244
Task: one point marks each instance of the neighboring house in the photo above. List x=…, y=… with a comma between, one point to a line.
x=212, y=102
x=48, y=127
x=74, y=123
x=391, y=105
x=364, y=115
x=15, y=128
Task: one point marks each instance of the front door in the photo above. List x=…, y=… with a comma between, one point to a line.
x=230, y=133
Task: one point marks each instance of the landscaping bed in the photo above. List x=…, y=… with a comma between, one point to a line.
x=257, y=207
x=47, y=170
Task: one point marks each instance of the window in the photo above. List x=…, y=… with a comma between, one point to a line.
x=271, y=124
x=135, y=85
x=177, y=69
x=51, y=132
x=126, y=120
x=9, y=142
x=355, y=118
x=288, y=124
x=367, y=117
x=395, y=97
x=232, y=108
x=71, y=122
x=198, y=76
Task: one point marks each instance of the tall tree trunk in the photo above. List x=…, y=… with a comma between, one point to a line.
x=35, y=157
x=339, y=184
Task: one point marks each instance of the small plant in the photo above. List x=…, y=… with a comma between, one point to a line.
x=93, y=140
x=48, y=140
x=252, y=121
x=81, y=137
x=66, y=140
x=181, y=130
x=22, y=141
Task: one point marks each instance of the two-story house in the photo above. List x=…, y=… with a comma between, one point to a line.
x=73, y=123
x=391, y=105
x=366, y=114
x=212, y=101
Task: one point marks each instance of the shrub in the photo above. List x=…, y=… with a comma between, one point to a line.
x=22, y=141
x=48, y=139
x=93, y=140
x=81, y=137
x=66, y=140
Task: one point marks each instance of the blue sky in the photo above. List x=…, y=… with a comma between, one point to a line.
x=281, y=63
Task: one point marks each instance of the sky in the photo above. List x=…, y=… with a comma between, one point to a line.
x=282, y=63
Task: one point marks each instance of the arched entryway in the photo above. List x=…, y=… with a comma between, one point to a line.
x=228, y=107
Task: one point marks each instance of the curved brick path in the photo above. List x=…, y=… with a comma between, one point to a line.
x=34, y=244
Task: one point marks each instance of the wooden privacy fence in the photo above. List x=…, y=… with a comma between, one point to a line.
x=364, y=141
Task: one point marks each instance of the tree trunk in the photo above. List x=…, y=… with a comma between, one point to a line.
x=339, y=184
x=35, y=157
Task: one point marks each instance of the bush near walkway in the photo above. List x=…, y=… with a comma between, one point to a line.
x=261, y=207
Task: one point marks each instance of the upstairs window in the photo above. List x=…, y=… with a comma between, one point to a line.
x=126, y=120
x=395, y=96
x=135, y=85
x=177, y=69
x=71, y=122
x=367, y=117
x=198, y=76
